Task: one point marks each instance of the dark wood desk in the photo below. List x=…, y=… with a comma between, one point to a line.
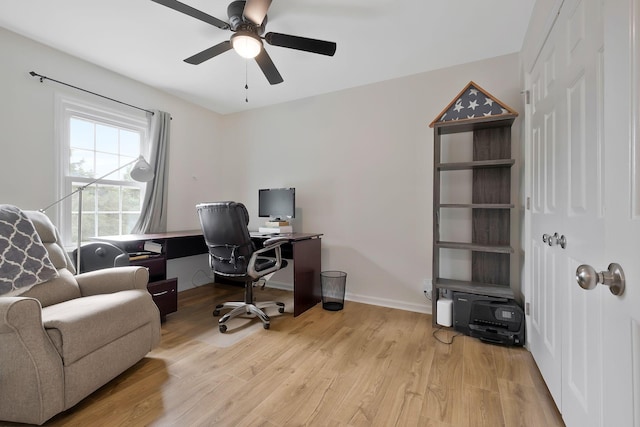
x=302, y=248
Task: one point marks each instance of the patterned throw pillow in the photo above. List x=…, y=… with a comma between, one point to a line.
x=24, y=261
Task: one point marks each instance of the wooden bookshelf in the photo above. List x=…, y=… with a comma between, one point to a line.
x=491, y=206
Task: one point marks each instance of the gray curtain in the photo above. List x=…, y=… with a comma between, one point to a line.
x=153, y=218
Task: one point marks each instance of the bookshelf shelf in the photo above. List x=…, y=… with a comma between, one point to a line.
x=499, y=163
x=477, y=205
x=488, y=289
x=495, y=249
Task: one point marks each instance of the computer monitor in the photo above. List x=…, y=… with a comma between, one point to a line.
x=277, y=203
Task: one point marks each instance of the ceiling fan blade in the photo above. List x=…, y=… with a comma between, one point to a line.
x=207, y=54
x=268, y=68
x=256, y=10
x=301, y=43
x=195, y=13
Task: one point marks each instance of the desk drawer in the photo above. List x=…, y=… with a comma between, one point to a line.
x=157, y=267
x=165, y=295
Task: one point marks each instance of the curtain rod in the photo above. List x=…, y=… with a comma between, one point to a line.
x=42, y=78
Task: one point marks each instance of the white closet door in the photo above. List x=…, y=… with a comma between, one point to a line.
x=621, y=347
x=567, y=183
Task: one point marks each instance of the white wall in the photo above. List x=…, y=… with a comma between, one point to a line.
x=361, y=162
x=360, y=159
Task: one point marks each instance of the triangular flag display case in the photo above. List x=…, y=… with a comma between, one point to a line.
x=472, y=196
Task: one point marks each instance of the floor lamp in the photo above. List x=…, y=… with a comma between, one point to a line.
x=141, y=172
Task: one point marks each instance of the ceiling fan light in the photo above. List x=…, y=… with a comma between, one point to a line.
x=246, y=44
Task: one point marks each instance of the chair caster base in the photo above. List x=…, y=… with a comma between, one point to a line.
x=216, y=311
x=241, y=308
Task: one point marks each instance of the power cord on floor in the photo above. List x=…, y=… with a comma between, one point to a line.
x=438, y=329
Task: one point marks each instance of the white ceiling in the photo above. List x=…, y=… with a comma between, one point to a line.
x=377, y=40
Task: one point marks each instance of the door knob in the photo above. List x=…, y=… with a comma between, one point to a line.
x=587, y=277
x=556, y=239
x=562, y=241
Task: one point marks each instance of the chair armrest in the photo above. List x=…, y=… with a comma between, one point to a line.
x=31, y=369
x=111, y=280
x=269, y=245
x=274, y=241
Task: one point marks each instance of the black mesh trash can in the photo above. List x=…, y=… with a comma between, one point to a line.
x=333, y=284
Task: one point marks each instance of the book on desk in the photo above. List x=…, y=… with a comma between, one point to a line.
x=137, y=256
x=284, y=229
x=153, y=247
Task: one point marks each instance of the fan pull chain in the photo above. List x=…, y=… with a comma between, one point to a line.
x=246, y=83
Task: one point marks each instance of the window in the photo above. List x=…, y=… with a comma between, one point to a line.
x=96, y=142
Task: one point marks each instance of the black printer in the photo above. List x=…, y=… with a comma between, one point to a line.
x=494, y=320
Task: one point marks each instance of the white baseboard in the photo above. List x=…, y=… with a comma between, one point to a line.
x=424, y=307
x=280, y=285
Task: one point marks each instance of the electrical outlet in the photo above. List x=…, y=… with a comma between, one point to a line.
x=426, y=288
x=427, y=293
x=426, y=285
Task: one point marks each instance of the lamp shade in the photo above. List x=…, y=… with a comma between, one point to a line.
x=247, y=44
x=142, y=171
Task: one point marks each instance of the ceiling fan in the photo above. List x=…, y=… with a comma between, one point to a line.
x=248, y=19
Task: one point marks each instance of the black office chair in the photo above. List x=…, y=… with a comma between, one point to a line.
x=233, y=255
x=99, y=255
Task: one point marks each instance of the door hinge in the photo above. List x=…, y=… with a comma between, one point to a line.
x=528, y=203
x=527, y=96
x=527, y=308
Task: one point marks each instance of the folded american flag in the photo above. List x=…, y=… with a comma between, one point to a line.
x=473, y=102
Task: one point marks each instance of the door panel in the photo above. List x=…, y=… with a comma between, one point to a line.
x=580, y=345
x=584, y=225
x=577, y=148
x=549, y=161
x=600, y=341
x=547, y=114
x=621, y=336
x=545, y=309
x=568, y=126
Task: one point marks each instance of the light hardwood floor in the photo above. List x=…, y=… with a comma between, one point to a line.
x=362, y=366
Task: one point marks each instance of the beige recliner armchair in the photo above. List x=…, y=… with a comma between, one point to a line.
x=63, y=339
